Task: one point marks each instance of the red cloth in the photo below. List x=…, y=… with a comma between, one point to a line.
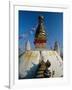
x=39, y=41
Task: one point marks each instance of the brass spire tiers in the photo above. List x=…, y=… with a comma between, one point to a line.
x=40, y=35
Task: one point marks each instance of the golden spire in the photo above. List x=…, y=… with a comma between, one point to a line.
x=40, y=35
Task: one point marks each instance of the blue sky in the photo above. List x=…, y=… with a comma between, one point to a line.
x=28, y=21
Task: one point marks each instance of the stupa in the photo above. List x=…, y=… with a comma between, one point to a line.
x=40, y=63
x=56, y=47
x=27, y=46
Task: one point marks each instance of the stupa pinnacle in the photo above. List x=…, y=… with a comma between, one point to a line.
x=40, y=35
x=27, y=46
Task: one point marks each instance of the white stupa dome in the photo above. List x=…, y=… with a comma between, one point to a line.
x=31, y=58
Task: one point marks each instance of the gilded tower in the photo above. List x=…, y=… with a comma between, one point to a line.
x=40, y=34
